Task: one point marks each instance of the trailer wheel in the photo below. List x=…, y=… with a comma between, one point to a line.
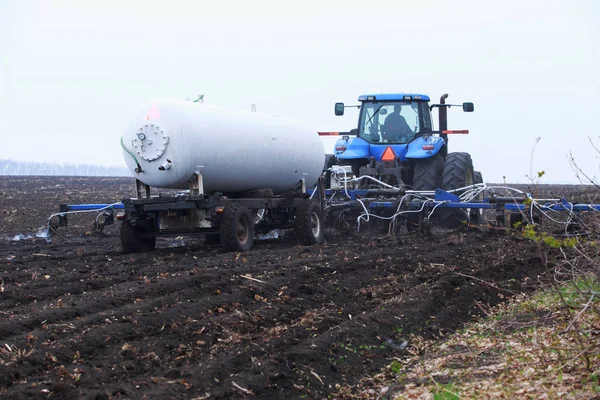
x=237, y=228
x=133, y=240
x=148, y=244
x=458, y=172
x=309, y=223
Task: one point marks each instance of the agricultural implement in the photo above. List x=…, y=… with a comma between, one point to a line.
x=396, y=211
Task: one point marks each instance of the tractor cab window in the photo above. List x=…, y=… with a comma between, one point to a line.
x=393, y=122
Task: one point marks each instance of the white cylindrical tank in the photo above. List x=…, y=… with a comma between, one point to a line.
x=235, y=150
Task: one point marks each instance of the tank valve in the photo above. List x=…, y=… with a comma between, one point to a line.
x=165, y=166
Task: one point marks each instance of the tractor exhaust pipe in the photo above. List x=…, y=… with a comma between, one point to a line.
x=443, y=114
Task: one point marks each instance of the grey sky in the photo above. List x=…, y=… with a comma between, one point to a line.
x=71, y=72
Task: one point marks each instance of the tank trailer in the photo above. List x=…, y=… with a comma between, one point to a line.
x=241, y=173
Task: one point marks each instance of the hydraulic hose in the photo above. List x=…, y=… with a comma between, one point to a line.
x=139, y=167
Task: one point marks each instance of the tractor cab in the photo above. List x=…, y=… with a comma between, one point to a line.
x=394, y=131
x=386, y=125
x=393, y=120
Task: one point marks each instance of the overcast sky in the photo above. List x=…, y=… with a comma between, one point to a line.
x=71, y=72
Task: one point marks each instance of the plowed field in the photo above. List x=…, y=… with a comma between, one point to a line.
x=79, y=319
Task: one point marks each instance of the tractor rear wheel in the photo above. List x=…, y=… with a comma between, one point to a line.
x=309, y=223
x=458, y=173
x=477, y=177
x=476, y=214
x=236, y=228
x=428, y=173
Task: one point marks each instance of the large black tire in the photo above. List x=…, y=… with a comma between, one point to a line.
x=458, y=172
x=477, y=177
x=476, y=214
x=134, y=241
x=309, y=223
x=236, y=228
x=428, y=173
x=149, y=243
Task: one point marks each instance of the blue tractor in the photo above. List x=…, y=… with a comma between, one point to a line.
x=395, y=143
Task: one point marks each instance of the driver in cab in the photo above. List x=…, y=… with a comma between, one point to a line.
x=395, y=128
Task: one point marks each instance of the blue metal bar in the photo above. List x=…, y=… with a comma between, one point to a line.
x=353, y=193
x=484, y=206
x=563, y=206
x=92, y=207
x=556, y=207
x=383, y=204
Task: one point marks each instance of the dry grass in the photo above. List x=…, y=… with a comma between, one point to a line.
x=11, y=354
x=544, y=346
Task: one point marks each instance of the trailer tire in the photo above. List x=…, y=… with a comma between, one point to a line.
x=427, y=173
x=130, y=238
x=458, y=172
x=133, y=240
x=148, y=244
x=236, y=228
x=309, y=223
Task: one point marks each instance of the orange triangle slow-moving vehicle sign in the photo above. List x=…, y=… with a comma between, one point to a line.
x=388, y=154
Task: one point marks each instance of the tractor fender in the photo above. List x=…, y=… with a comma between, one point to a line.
x=353, y=148
x=415, y=148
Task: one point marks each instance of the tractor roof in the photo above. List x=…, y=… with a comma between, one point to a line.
x=393, y=96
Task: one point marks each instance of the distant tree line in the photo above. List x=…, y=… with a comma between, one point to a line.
x=10, y=167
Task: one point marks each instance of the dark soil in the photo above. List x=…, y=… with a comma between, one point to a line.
x=78, y=319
